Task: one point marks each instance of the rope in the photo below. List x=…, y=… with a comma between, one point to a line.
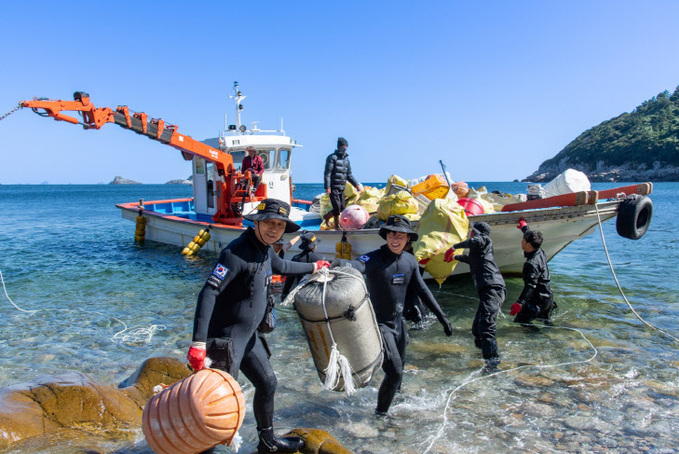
x=9, y=299
x=472, y=378
x=617, y=283
x=136, y=335
x=338, y=365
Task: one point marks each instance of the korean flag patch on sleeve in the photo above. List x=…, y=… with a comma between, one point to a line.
x=364, y=258
x=218, y=275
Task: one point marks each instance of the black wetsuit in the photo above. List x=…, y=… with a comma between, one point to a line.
x=491, y=289
x=303, y=257
x=389, y=277
x=230, y=307
x=536, y=298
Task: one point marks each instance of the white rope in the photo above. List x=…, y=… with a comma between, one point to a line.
x=615, y=277
x=472, y=378
x=136, y=335
x=338, y=365
x=10, y=300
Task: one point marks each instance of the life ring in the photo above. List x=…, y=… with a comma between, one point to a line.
x=634, y=217
x=265, y=158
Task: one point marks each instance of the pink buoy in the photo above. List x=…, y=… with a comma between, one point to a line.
x=353, y=217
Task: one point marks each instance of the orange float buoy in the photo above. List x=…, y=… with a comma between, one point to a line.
x=201, y=411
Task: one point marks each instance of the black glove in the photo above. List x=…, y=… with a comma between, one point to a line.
x=447, y=328
x=335, y=263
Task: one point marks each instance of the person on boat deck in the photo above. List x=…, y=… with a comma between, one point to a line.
x=337, y=173
x=253, y=162
x=490, y=286
x=536, y=300
x=389, y=274
x=231, y=306
x=308, y=255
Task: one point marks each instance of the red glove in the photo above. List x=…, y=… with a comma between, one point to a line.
x=423, y=262
x=516, y=308
x=322, y=264
x=522, y=223
x=196, y=357
x=449, y=256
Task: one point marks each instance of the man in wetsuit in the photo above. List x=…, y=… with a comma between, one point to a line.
x=337, y=173
x=490, y=286
x=231, y=306
x=536, y=300
x=389, y=274
x=308, y=245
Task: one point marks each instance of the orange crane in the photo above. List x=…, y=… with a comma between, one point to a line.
x=232, y=188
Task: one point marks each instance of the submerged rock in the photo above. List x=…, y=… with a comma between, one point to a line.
x=70, y=413
x=73, y=403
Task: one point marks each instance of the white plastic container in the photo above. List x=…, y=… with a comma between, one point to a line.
x=569, y=181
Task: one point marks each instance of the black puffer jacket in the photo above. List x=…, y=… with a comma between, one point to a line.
x=338, y=171
x=481, y=260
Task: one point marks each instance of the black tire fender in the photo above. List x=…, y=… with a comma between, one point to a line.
x=634, y=217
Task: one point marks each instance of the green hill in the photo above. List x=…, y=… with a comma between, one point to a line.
x=638, y=146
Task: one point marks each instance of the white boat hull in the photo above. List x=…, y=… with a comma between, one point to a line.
x=559, y=226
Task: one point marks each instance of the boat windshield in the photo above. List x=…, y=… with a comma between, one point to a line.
x=283, y=159
x=237, y=157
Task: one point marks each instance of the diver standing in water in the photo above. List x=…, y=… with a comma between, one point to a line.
x=389, y=274
x=231, y=306
x=536, y=300
x=490, y=286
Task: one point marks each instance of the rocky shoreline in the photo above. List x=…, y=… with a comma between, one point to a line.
x=608, y=174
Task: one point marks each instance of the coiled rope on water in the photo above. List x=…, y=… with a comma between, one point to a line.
x=134, y=335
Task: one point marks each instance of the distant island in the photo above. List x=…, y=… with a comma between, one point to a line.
x=121, y=180
x=638, y=146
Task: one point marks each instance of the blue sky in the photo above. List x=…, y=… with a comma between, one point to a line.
x=493, y=88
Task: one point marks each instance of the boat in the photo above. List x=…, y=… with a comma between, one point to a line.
x=222, y=193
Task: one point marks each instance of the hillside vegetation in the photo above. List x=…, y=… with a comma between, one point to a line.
x=639, y=146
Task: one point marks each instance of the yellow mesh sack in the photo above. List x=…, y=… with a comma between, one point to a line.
x=442, y=224
x=400, y=203
x=370, y=199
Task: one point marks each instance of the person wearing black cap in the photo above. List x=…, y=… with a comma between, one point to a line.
x=231, y=306
x=536, y=300
x=337, y=173
x=308, y=245
x=490, y=286
x=389, y=274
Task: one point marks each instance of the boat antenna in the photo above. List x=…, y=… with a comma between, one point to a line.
x=237, y=97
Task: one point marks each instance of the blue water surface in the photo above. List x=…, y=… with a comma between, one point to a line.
x=105, y=304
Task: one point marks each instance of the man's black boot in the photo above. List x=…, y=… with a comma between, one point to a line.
x=268, y=443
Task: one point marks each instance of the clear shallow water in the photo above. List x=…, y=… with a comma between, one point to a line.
x=68, y=253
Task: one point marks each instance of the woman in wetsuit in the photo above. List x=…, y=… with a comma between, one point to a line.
x=389, y=274
x=231, y=306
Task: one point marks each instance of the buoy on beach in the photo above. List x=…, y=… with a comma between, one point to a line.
x=194, y=414
x=341, y=329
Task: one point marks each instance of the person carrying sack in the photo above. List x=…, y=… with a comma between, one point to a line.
x=232, y=305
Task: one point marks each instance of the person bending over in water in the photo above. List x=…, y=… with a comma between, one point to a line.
x=536, y=300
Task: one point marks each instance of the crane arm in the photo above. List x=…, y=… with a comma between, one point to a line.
x=155, y=129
